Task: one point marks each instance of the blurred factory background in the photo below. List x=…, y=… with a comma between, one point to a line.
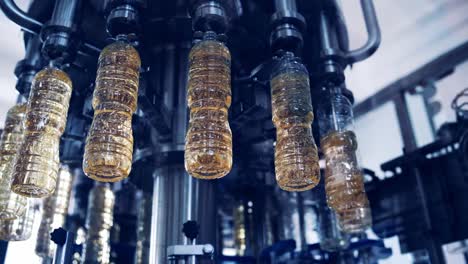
x=414, y=33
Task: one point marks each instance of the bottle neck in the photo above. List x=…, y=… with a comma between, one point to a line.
x=335, y=113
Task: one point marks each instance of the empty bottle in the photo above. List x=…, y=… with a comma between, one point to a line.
x=19, y=229
x=331, y=237
x=208, y=147
x=289, y=218
x=12, y=205
x=37, y=165
x=54, y=213
x=240, y=231
x=142, y=251
x=98, y=224
x=344, y=182
x=109, y=146
x=296, y=157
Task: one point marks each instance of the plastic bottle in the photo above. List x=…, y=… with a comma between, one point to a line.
x=208, y=147
x=54, y=213
x=296, y=157
x=19, y=229
x=344, y=183
x=98, y=224
x=12, y=205
x=37, y=165
x=240, y=231
x=142, y=251
x=331, y=237
x=109, y=145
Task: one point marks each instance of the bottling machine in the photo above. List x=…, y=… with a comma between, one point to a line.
x=190, y=131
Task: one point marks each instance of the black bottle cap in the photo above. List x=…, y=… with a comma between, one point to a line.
x=191, y=229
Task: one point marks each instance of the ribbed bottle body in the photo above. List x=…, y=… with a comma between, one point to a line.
x=54, y=213
x=19, y=229
x=344, y=182
x=12, y=205
x=109, y=145
x=296, y=156
x=98, y=224
x=208, y=147
x=37, y=165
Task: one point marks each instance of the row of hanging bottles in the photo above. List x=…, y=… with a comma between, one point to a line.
x=29, y=146
x=29, y=162
x=208, y=149
x=29, y=168
x=32, y=170
x=29, y=149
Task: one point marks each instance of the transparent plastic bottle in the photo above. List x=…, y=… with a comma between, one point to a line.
x=19, y=229
x=98, y=224
x=142, y=251
x=54, y=213
x=344, y=182
x=37, y=165
x=240, y=231
x=289, y=218
x=12, y=205
x=208, y=147
x=109, y=146
x=296, y=157
x=331, y=237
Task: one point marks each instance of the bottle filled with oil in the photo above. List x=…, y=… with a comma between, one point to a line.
x=344, y=182
x=109, y=145
x=36, y=168
x=19, y=229
x=208, y=147
x=54, y=213
x=98, y=224
x=12, y=205
x=296, y=156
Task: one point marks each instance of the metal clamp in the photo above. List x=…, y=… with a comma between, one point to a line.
x=334, y=57
x=190, y=252
x=29, y=24
x=180, y=251
x=210, y=16
x=124, y=17
x=287, y=26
